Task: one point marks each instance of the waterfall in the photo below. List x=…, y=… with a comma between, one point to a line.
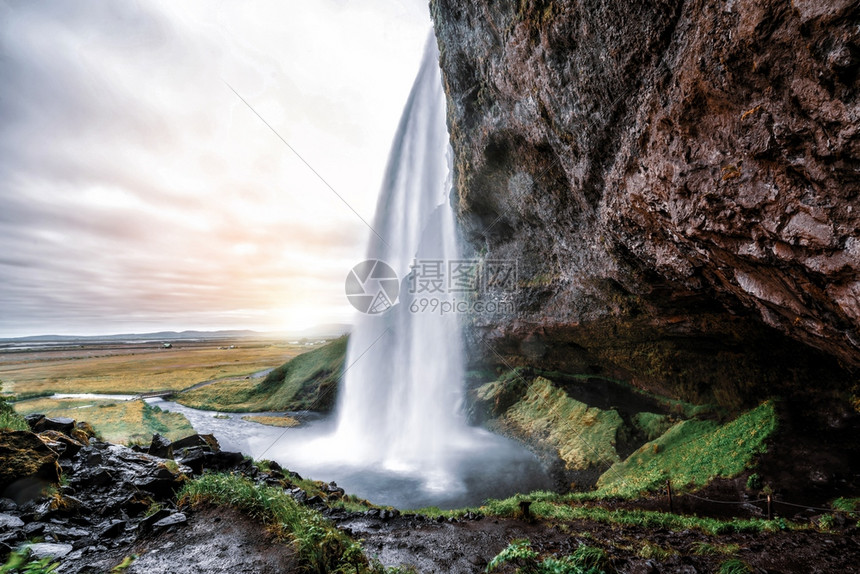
x=400, y=436
x=400, y=405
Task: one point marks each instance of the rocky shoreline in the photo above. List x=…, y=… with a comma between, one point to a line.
x=90, y=501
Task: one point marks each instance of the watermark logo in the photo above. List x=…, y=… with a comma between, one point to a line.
x=476, y=276
x=462, y=286
x=437, y=286
x=372, y=286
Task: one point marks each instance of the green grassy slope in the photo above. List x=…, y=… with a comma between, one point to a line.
x=306, y=382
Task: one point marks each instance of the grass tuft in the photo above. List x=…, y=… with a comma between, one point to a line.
x=734, y=566
x=321, y=547
x=584, y=560
x=9, y=419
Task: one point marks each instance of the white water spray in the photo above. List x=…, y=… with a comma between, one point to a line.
x=401, y=400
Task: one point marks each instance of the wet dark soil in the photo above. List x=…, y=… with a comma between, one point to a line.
x=214, y=540
x=221, y=540
x=467, y=546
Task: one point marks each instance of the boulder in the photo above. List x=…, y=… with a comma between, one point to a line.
x=83, y=432
x=194, y=457
x=112, y=529
x=61, y=424
x=47, y=550
x=203, y=440
x=160, y=447
x=147, y=523
x=226, y=460
x=172, y=520
x=9, y=522
x=35, y=420
x=25, y=461
x=70, y=447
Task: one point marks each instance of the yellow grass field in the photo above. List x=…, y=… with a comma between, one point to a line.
x=115, y=421
x=138, y=367
x=274, y=421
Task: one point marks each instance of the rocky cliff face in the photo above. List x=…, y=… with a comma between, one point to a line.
x=677, y=180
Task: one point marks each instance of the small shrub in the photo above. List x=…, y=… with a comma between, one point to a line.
x=846, y=504
x=20, y=562
x=826, y=523
x=9, y=419
x=584, y=560
x=754, y=482
x=654, y=552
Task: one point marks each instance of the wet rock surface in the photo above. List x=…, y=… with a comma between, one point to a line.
x=214, y=540
x=677, y=183
x=111, y=495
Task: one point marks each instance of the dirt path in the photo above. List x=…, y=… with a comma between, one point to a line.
x=213, y=540
x=467, y=546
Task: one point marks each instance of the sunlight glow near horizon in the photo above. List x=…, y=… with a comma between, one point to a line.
x=138, y=193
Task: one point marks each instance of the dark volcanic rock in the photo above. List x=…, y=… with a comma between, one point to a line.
x=678, y=183
x=172, y=520
x=203, y=440
x=59, y=424
x=35, y=420
x=70, y=446
x=160, y=447
x=9, y=522
x=47, y=550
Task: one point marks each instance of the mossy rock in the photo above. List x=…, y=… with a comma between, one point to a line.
x=26, y=462
x=584, y=437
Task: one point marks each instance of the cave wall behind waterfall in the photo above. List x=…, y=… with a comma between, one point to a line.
x=677, y=180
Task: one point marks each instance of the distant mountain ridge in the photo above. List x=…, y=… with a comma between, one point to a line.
x=327, y=330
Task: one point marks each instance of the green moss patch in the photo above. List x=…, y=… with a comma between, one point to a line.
x=652, y=425
x=691, y=454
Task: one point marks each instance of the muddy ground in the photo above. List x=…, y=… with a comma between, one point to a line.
x=217, y=539
x=214, y=539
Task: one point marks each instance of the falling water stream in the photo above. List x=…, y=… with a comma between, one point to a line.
x=402, y=395
x=400, y=435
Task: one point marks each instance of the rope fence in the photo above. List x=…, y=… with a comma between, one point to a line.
x=770, y=500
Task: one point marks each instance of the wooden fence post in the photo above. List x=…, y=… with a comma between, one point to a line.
x=669, y=495
x=524, y=508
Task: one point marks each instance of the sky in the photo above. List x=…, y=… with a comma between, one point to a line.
x=138, y=192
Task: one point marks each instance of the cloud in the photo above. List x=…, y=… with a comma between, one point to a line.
x=137, y=191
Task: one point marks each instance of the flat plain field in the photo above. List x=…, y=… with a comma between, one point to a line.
x=137, y=367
